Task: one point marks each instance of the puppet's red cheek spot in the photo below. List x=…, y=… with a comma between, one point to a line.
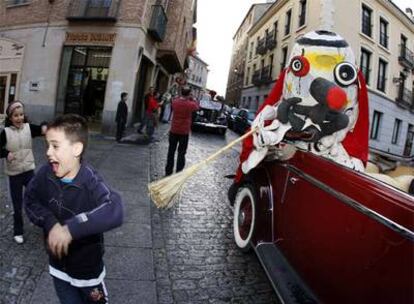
x=336, y=98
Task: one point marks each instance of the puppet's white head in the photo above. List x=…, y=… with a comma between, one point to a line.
x=320, y=88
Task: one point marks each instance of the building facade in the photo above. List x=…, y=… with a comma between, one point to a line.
x=238, y=57
x=197, y=74
x=382, y=37
x=61, y=56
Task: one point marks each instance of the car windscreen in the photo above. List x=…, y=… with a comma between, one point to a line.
x=251, y=115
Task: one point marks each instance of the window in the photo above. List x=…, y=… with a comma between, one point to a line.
x=270, y=65
x=382, y=70
x=365, y=64
x=254, y=71
x=383, y=33
x=287, y=22
x=275, y=32
x=16, y=2
x=284, y=58
x=249, y=101
x=403, y=52
x=257, y=44
x=251, y=50
x=366, y=20
x=376, y=122
x=396, y=131
x=247, y=77
x=302, y=15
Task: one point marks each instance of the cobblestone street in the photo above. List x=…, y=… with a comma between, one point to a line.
x=196, y=260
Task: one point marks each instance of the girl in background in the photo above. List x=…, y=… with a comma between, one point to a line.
x=16, y=148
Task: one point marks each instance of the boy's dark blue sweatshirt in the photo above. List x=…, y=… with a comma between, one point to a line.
x=86, y=205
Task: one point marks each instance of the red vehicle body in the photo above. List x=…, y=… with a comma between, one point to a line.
x=327, y=234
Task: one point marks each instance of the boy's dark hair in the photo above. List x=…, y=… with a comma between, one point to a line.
x=7, y=121
x=74, y=126
x=123, y=94
x=185, y=91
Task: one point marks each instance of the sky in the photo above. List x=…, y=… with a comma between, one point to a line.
x=217, y=22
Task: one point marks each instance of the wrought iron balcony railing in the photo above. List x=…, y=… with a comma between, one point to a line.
x=266, y=76
x=158, y=24
x=271, y=40
x=96, y=10
x=261, y=46
x=256, y=78
x=405, y=98
x=406, y=57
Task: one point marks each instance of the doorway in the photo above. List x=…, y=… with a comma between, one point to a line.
x=7, y=90
x=85, y=72
x=141, y=85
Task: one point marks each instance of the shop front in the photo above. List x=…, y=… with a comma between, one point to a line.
x=84, y=72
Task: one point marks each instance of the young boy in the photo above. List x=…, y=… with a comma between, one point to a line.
x=74, y=206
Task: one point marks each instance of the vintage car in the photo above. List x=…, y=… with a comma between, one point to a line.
x=210, y=117
x=325, y=233
x=231, y=116
x=243, y=120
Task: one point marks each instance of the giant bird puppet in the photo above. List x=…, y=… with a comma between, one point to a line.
x=319, y=103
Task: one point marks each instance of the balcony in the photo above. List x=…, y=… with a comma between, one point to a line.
x=266, y=75
x=256, y=79
x=271, y=41
x=405, y=98
x=93, y=10
x=158, y=24
x=406, y=57
x=261, y=47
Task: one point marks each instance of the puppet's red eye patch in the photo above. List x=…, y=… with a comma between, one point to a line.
x=299, y=66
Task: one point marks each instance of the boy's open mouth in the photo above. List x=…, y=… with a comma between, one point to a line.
x=55, y=166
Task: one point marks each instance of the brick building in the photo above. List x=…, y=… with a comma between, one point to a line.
x=61, y=56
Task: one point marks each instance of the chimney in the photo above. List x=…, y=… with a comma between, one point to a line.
x=409, y=13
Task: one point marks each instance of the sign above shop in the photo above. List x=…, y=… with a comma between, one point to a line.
x=89, y=38
x=10, y=49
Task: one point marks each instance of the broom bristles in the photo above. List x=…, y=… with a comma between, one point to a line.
x=167, y=191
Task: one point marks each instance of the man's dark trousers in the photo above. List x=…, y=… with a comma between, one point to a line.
x=120, y=128
x=182, y=141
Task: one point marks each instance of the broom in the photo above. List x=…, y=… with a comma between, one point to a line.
x=167, y=191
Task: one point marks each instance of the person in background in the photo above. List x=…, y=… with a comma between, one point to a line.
x=147, y=99
x=74, y=206
x=16, y=148
x=121, y=116
x=152, y=114
x=183, y=108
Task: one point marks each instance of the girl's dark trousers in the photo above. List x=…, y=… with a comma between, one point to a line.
x=16, y=191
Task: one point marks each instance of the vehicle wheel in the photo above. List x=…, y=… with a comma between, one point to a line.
x=244, y=217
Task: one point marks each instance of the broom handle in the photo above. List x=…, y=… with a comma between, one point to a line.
x=231, y=144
